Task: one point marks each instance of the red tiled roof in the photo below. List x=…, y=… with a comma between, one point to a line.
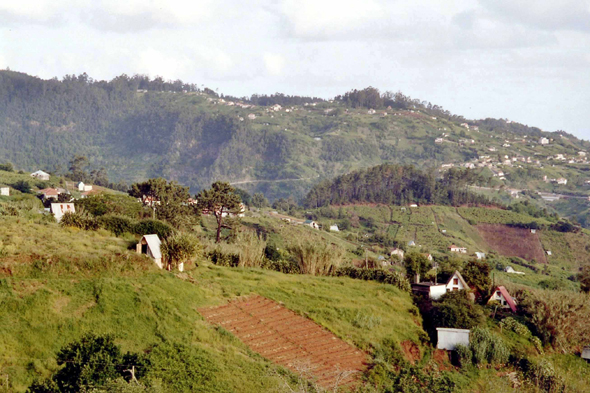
x=508, y=298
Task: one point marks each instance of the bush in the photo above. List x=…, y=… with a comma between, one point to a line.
x=487, y=348
x=179, y=249
x=455, y=310
x=542, y=375
x=149, y=227
x=7, y=167
x=386, y=277
x=316, y=258
x=116, y=224
x=79, y=220
x=22, y=186
x=220, y=258
x=464, y=355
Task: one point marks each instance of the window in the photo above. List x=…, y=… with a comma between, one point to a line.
x=455, y=281
x=499, y=294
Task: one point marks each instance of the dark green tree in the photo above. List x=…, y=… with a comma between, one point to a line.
x=259, y=200
x=456, y=310
x=477, y=274
x=220, y=200
x=416, y=263
x=167, y=199
x=77, y=168
x=22, y=186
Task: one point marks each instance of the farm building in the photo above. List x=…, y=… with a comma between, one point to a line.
x=502, y=296
x=59, y=209
x=511, y=270
x=40, y=175
x=586, y=354
x=150, y=245
x=434, y=290
x=49, y=193
x=480, y=255
x=411, y=243
x=448, y=339
x=83, y=187
x=311, y=223
x=334, y=228
x=454, y=248
x=4, y=191
x=543, y=141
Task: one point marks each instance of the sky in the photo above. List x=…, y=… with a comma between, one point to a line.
x=526, y=60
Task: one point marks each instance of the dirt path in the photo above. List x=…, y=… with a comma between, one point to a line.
x=290, y=340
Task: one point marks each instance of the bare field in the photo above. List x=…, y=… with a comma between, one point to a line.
x=513, y=242
x=290, y=340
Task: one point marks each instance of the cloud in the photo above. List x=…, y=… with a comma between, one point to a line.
x=42, y=12
x=274, y=63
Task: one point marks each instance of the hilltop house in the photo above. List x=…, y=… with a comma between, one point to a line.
x=40, y=175
x=83, y=187
x=4, y=191
x=502, y=296
x=150, y=245
x=311, y=223
x=435, y=290
x=543, y=141
x=562, y=180
x=454, y=248
x=448, y=339
x=480, y=255
x=59, y=209
x=251, y=116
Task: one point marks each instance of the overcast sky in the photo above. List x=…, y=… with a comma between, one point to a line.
x=525, y=60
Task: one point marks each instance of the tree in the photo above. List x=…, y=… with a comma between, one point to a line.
x=7, y=167
x=416, y=263
x=584, y=278
x=167, y=199
x=455, y=310
x=77, y=168
x=22, y=186
x=178, y=249
x=259, y=200
x=220, y=200
x=477, y=274
x=244, y=195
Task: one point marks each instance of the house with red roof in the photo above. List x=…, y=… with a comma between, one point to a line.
x=502, y=296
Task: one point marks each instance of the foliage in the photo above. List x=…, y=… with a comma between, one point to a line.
x=316, y=259
x=379, y=275
x=416, y=263
x=477, y=274
x=178, y=249
x=541, y=373
x=7, y=167
x=168, y=199
x=101, y=204
x=220, y=200
x=117, y=224
x=455, y=310
x=487, y=347
x=79, y=220
x=148, y=227
x=392, y=184
x=584, y=278
x=259, y=200
x=22, y=186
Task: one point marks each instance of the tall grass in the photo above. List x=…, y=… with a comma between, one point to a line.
x=317, y=259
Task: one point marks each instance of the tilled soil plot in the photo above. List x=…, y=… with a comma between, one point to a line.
x=290, y=340
x=513, y=242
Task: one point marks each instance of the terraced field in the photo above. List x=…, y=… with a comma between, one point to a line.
x=516, y=242
x=290, y=340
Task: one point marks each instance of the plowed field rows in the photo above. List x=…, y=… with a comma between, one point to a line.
x=290, y=340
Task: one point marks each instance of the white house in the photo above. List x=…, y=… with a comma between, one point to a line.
x=562, y=180
x=438, y=140
x=371, y=111
x=549, y=252
x=502, y=296
x=586, y=354
x=480, y=255
x=448, y=339
x=543, y=141
x=59, y=209
x=4, y=191
x=435, y=290
x=454, y=248
x=411, y=243
x=334, y=228
x=510, y=270
x=251, y=116
x=49, y=193
x=311, y=223
x=399, y=252
x=150, y=245
x=40, y=175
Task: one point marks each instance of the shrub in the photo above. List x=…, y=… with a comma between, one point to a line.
x=252, y=250
x=464, y=355
x=179, y=249
x=316, y=258
x=386, y=277
x=148, y=227
x=22, y=186
x=542, y=375
x=364, y=321
x=455, y=310
x=116, y=224
x=220, y=258
x=79, y=220
x=512, y=324
x=487, y=348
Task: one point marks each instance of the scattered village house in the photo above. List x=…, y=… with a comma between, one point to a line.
x=150, y=246
x=435, y=290
x=454, y=248
x=399, y=252
x=40, y=175
x=83, y=187
x=448, y=339
x=480, y=255
x=49, y=193
x=334, y=228
x=4, y=191
x=502, y=296
x=59, y=209
x=543, y=141
x=311, y=223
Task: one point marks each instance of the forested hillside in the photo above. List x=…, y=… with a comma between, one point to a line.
x=136, y=128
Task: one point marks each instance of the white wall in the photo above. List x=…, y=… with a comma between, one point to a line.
x=449, y=338
x=436, y=291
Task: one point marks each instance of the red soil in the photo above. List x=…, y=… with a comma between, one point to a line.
x=290, y=340
x=513, y=242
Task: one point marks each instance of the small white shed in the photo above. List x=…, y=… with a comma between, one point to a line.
x=448, y=339
x=334, y=228
x=4, y=191
x=586, y=354
x=150, y=245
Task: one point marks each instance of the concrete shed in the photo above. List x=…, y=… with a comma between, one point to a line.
x=59, y=209
x=449, y=338
x=150, y=245
x=4, y=191
x=586, y=354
